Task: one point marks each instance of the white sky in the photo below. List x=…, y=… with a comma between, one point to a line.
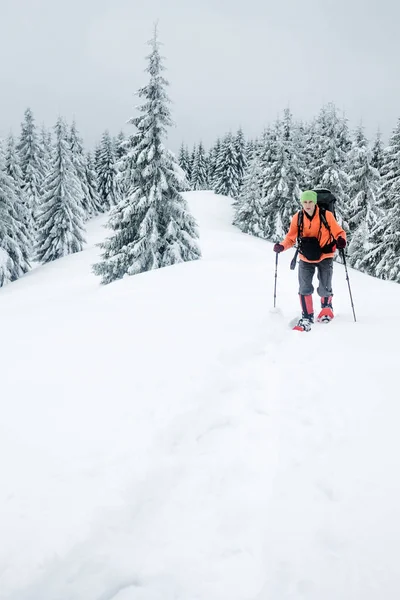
x=229, y=63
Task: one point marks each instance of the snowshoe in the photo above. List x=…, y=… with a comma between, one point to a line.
x=303, y=324
x=326, y=315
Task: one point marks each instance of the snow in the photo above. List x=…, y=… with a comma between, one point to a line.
x=168, y=437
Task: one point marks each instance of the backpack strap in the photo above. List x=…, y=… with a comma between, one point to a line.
x=323, y=221
x=299, y=232
x=322, y=216
x=299, y=225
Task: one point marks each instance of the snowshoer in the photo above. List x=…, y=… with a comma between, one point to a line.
x=318, y=235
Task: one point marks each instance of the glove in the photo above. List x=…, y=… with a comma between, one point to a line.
x=278, y=248
x=341, y=242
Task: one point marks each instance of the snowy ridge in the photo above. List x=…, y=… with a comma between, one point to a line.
x=167, y=437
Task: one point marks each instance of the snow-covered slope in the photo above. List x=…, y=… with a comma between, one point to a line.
x=168, y=437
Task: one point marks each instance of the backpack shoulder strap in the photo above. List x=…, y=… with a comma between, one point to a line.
x=322, y=216
x=299, y=224
x=324, y=221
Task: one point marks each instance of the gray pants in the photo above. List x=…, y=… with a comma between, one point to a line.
x=324, y=272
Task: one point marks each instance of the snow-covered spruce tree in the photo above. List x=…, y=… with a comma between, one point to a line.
x=377, y=152
x=383, y=256
x=305, y=143
x=330, y=170
x=281, y=185
x=33, y=170
x=15, y=243
x=250, y=215
x=212, y=162
x=295, y=173
x=12, y=163
x=119, y=145
x=192, y=158
x=251, y=147
x=226, y=180
x=152, y=224
x=107, y=173
x=184, y=160
x=2, y=154
x=13, y=169
x=78, y=160
x=267, y=152
x=344, y=135
x=241, y=162
x=45, y=150
x=125, y=168
x=60, y=215
x=92, y=186
x=199, y=179
x=365, y=183
x=96, y=158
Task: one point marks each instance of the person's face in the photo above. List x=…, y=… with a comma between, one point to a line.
x=309, y=207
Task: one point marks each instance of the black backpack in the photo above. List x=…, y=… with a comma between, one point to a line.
x=326, y=201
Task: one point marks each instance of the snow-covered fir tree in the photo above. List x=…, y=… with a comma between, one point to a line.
x=199, y=176
x=281, y=186
x=330, y=171
x=13, y=169
x=377, y=152
x=45, y=149
x=344, y=135
x=11, y=163
x=96, y=158
x=78, y=160
x=251, y=147
x=125, y=168
x=33, y=170
x=364, y=191
x=91, y=181
x=152, y=224
x=227, y=177
x=192, y=158
x=250, y=212
x=241, y=162
x=184, y=161
x=60, y=216
x=383, y=256
x=212, y=162
x=267, y=152
x=119, y=146
x=15, y=243
x=108, y=187
x=305, y=143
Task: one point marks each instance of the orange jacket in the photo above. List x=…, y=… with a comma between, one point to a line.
x=311, y=229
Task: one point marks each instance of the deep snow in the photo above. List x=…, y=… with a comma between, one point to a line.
x=168, y=437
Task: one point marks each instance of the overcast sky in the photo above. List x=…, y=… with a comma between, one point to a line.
x=230, y=63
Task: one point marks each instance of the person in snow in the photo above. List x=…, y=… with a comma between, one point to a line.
x=318, y=239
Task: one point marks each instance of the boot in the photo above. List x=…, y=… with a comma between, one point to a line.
x=307, y=316
x=326, y=313
x=326, y=302
x=307, y=309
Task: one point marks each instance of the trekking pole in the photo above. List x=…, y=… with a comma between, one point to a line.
x=348, y=281
x=276, y=276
